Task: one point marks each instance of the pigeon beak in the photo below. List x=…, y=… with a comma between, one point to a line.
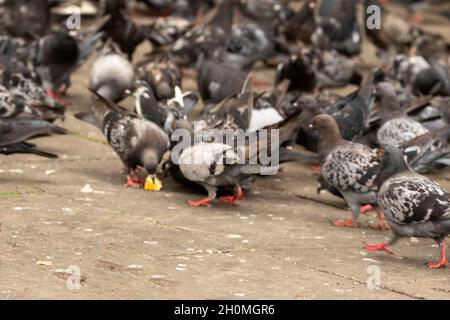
x=152, y=183
x=380, y=153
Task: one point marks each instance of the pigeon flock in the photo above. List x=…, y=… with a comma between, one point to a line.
x=369, y=147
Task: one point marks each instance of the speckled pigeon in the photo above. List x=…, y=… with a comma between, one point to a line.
x=349, y=167
x=137, y=142
x=413, y=205
x=396, y=127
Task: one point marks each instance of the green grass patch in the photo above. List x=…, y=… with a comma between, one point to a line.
x=86, y=138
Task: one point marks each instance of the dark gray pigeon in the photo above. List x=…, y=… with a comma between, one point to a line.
x=57, y=55
x=396, y=127
x=137, y=142
x=413, y=205
x=25, y=18
x=214, y=33
x=163, y=113
x=349, y=167
x=217, y=80
x=14, y=134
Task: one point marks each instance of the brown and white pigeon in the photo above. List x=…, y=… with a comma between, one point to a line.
x=349, y=167
x=413, y=205
x=397, y=128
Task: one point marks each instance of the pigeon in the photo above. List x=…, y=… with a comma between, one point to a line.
x=12, y=105
x=349, y=167
x=301, y=25
x=217, y=80
x=28, y=92
x=137, y=142
x=166, y=30
x=125, y=33
x=265, y=10
x=14, y=134
x=57, y=55
x=396, y=127
x=111, y=75
x=337, y=27
x=162, y=74
x=250, y=43
x=216, y=163
x=163, y=113
x=205, y=39
x=427, y=151
x=413, y=205
x=333, y=69
x=25, y=18
x=395, y=33
x=297, y=70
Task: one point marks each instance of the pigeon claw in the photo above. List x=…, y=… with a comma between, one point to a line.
x=367, y=208
x=231, y=200
x=378, y=247
x=132, y=183
x=205, y=202
x=234, y=199
x=315, y=168
x=344, y=223
x=55, y=96
x=380, y=226
x=440, y=264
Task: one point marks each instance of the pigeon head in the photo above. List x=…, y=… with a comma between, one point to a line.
x=329, y=133
x=325, y=124
x=392, y=161
x=150, y=161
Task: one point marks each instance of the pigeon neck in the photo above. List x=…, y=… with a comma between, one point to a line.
x=329, y=139
x=391, y=166
x=390, y=108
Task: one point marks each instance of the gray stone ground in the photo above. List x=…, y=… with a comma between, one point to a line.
x=128, y=244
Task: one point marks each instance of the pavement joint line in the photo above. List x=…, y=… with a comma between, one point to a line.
x=393, y=290
x=60, y=160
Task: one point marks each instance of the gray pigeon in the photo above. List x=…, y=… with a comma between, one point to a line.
x=162, y=74
x=215, y=164
x=349, y=167
x=217, y=80
x=57, y=55
x=397, y=128
x=413, y=205
x=111, y=75
x=14, y=134
x=137, y=142
x=163, y=113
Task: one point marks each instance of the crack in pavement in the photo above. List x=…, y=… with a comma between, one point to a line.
x=393, y=290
